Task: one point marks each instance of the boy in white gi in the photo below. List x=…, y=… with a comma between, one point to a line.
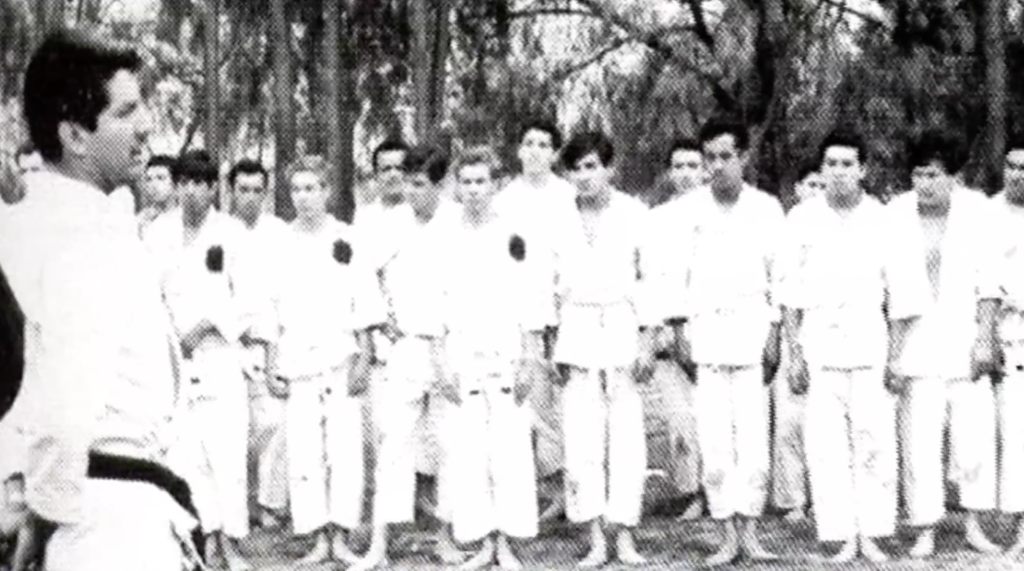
x=686, y=173
x=322, y=365
x=606, y=342
x=540, y=204
x=157, y=196
x=196, y=252
x=257, y=285
x=493, y=342
x=950, y=351
x=842, y=262
x=731, y=318
x=412, y=287
x=1009, y=205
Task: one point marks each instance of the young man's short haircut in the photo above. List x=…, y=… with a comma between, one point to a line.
x=718, y=126
x=428, y=160
x=246, y=166
x=388, y=146
x=545, y=126
x=843, y=137
x=477, y=156
x=25, y=149
x=584, y=144
x=165, y=161
x=805, y=171
x=194, y=166
x=314, y=164
x=1015, y=142
x=935, y=146
x=681, y=144
x=67, y=81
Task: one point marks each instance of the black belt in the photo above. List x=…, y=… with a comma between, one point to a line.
x=109, y=467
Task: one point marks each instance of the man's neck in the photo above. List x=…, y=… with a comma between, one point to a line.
x=477, y=218
x=933, y=210
x=594, y=202
x=81, y=172
x=727, y=194
x=426, y=213
x=844, y=203
x=311, y=224
x=537, y=179
x=250, y=221
x=195, y=220
x=390, y=200
x=1014, y=198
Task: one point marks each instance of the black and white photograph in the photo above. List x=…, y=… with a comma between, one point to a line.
x=511, y=285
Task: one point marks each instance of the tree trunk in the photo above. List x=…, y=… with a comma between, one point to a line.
x=169, y=21
x=284, y=125
x=211, y=82
x=49, y=16
x=995, y=89
x=342, y=107
x=430, y=31
x=439, y=60
x=314, y=68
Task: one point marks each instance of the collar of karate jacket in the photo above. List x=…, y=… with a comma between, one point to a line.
x=74, y=202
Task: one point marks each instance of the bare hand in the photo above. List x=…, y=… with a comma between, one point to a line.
x=684, y=358
x=528, y=374
x=359, y=374
x=986, y=359
x=643, y=368
x=770, y=356
x=278, y=386
x=799, y=376
x=895, y=381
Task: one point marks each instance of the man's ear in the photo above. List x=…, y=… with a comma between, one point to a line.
x=72, y=138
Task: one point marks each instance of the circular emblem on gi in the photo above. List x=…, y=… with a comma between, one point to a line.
x=517, y=248
x=342, y=252
x=215, y=259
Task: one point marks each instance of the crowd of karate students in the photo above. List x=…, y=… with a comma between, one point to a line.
x=474, y=327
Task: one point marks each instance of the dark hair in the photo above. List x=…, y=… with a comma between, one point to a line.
x=718, y=126
x=246, y=166
x=482, y=155
x=426, y=159
x=545, y=126
x=935, y=146
x=806, y=170
x=194, y=166
x=1015, y=142
x=843, y=137
x=67, y=81
x=25, y=149
x=583, y=144
x=161, y=161
x=681, y=144
x=388, y=146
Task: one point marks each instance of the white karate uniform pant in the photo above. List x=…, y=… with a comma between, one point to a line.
x=268, y=442
x=401, y=401
x=850, y=435
x=605, y=446
x=1010, y=394
x=217, y=448
x=126, y=526
x=789, y=470
x=732, y=423
x=968, y=409
x=491, y=454
x=325, y=453
x=677, y=393
x=546, y=401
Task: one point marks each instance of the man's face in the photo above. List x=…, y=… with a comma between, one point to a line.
x=196, y=196
x=475, y=186
x=14, y=493
x=118, y=147
x=723, y=161
x=30, y=163
x=250, y=191
x=389, y=173
x=842, y=171
x=932, y=184
x=1013, y=173
x=811, y=186
x=158, y=188
x=420, y=192
x=536, y=151
x=686, y=169
x=309, y=195
x=590, y=175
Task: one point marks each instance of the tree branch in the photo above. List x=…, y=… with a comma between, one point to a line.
x=867, y=18
x=565, y=73
x=551, y=12
x=700, y=24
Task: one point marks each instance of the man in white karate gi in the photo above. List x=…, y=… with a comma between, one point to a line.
x=257, y=285
x=686, y=173
x=540, y=203
x=950, y=352
x=730, y=321
x=196, y=252
x=157, y=196
x=849, y=293
x=605, y=342
x=493, y=343
x=411, y=286
x=102, y=394
x=322, y=365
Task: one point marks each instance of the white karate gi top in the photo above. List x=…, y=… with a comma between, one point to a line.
x=729, y=293
x=543, y=216
x=666, y=251
x=1010, y=269
x=939, y=343
x=322, y=302
x=839, y=269
x=257, y=276
x=104, y=363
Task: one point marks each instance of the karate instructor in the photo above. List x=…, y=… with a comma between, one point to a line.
x=102, y=390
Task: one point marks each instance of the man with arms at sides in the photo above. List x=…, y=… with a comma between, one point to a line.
x=157, y=196
x=540, y=204
x=257, y=285
x=97, y=465
x=605, y=342
x=411, y=286
x=842, y=265
x=494, y=338
x=322, y=364
x=196, y=253
x=950, y=353
x=730, y=318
